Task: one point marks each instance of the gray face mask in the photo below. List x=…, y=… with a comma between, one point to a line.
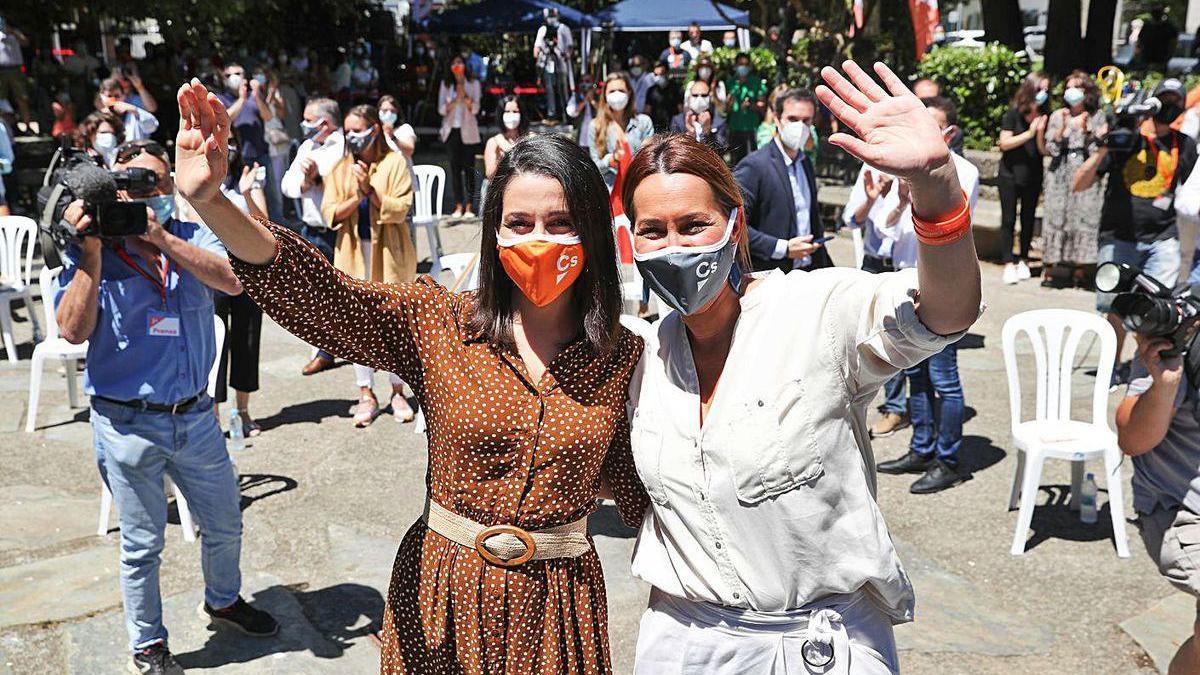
x=687, y=278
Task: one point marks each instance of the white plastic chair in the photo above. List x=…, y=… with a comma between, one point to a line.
x=53, y=347
x=185, y=514
x=463, y=269
x=1052, y=433
x=17, y=238
x=860, y=251
x=427, y=208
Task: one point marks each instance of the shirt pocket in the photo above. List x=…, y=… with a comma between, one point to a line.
x=774, y=446
x=647, y=440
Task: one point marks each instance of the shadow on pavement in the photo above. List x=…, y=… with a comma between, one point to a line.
x=971, y=341
x=978, y=453
x=605, y=522
x=252, y=486
x=326, y=623
x=1056, y=520
x=309, y=411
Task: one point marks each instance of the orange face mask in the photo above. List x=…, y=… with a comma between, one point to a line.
x=542, y=265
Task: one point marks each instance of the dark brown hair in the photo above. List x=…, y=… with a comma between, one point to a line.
x=86, y=131
x=1024, y=99
x=371, y=115
x=681, y=153
x=597, y=292
x=1091, y=92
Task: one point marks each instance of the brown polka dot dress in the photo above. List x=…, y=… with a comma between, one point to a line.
x=502, y=450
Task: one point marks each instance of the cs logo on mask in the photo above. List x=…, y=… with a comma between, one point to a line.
x=705, y=269
x=564, y=264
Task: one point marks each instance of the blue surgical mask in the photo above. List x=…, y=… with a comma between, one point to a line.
x=388, y=117
x=1041, y=97
x=742, y=70
x=163, y=207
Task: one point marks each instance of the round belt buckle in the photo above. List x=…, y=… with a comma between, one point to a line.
x=489, y=532
x=816, y=654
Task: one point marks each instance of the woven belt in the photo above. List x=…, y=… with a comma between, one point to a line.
x=508, y=545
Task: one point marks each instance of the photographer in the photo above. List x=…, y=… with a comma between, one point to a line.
x=1137, y=220
x=1158, y=425
x=143, y=304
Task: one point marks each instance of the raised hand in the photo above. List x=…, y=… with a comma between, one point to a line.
x=876, y=187
x=202, y=145
x=895, y=132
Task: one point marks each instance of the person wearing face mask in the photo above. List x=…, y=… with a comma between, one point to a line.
x=400, y=136
x=664, y=98
x=675, y=56
x=696, y=46
x=642, y=78
x=1019, y=176
x=100, y=133
x=699, y=119
x=144, y=306
x=706, y=73
x=764, y=545
x=1071, y=220
x=552, y=49
x=513, y=127
x=368, y=195
x=616, y=131
x=779, y=188
x=582, y=107
x=473, y=60
x=304, y=181
x=458, y=103
x=1138, y=224
x=249, y=111
x=747, y=103
x=729, y=40
x=138, y=123
x=364, y=76
x=766, y=130
x=279, y=143
x=501, y=547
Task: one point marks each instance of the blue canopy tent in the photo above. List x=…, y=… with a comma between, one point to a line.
x=502, y=16
x=640, y=15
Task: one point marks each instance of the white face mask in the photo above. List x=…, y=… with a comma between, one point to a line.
x=794, y=135
x=698, y=104
x=731, y=43
x=512, y=120
x=1074, y=96
x=105, y=141
x=675, y=42
x=233, y=82
x=704, y=72
x=617, y=100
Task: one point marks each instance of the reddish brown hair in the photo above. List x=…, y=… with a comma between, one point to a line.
x=681, y=153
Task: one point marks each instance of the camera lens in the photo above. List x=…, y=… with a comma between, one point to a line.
x=1148, y=315
x=1108, y=277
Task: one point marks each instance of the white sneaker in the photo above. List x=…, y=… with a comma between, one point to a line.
x=1023, y=272
x=1010, y=274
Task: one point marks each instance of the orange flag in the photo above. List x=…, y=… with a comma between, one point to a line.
x=925, y=20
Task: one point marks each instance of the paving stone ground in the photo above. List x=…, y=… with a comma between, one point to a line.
x=325, y=506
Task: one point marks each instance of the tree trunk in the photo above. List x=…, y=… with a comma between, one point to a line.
x=1097, y=45
x=1063, y=53
x=1002, y=23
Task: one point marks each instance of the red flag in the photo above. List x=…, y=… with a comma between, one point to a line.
x=856, y=22
x=621, y=227
x=925, y=20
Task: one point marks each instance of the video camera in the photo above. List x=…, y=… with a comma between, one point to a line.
x=1126, y=118
x=75, y=174
x=1149, y=308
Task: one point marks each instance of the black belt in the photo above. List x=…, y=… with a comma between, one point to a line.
x=886, y=262
x=178, y=408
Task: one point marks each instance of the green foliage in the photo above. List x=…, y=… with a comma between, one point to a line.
x=980, y=82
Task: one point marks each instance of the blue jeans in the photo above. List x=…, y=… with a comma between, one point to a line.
x=134, y=449
x=324, y=239
x=937, y=421
x=550, y=84
x=894, y=400
x=1158, y=259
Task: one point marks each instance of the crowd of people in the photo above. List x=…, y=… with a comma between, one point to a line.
x=290, y=190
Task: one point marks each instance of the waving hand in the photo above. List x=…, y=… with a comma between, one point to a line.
x=201, y=148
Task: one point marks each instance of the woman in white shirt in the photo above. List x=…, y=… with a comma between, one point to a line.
x=399, y=135
x=764, y=545
x=458, y=104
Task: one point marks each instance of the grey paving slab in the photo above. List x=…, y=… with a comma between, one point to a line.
x=99, y=644
x=59, y=588
x=626, y=596
x=36, y=516
x=1162, y=628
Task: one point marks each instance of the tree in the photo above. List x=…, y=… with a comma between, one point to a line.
x=1002, y=23
x=1062, y=38
x=1097, y=44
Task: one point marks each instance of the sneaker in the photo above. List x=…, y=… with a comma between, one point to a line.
x=940, y=476
x=1023, y=272
x=909, y=462
x=241, y=616
x=154, y=660
x=366, y=411
x=468, y=215
x=402, y=412
x=888, y=424
x=1010, y=274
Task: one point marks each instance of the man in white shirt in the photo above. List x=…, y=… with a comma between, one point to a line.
x=315, y=158
x=139, y=123
x=696, y=45
x=933, y=383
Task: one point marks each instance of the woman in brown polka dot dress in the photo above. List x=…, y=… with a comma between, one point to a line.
x=524, y=386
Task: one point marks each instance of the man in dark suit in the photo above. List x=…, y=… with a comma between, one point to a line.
x=779, y=189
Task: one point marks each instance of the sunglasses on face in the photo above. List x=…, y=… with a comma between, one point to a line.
x=132, y=149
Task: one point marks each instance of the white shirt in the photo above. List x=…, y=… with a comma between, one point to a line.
x=139, y=124
x=899, y=240
x=771, y=505
x=565, y=41
x=704, y=48
x=326, y=156
x=801, y=197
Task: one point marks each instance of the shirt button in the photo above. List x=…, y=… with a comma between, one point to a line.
x=718, y=545
x=737, y=596
x=760, y=403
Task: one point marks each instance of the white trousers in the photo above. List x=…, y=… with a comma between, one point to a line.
x=849, y=636
x=364, y=376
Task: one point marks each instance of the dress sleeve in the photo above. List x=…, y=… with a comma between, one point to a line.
x=618, y=469
x=1054, y=146
x=374, y=324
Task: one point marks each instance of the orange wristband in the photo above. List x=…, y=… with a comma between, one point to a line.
x=947, y=229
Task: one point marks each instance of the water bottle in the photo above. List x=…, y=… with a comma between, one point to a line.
x=237, y=436
x=1087, y=500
